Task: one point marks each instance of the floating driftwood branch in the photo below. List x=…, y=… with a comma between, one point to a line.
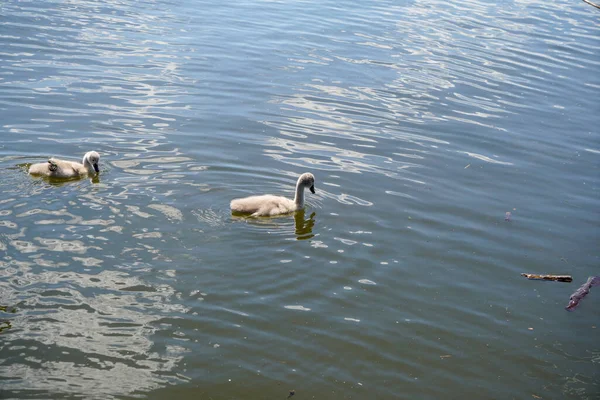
x=592, y=4
x=558, y=278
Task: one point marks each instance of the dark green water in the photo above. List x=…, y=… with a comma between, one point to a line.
x=423, y=122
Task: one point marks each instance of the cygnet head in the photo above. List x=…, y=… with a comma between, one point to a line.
x=307, y=180
x=91, y=158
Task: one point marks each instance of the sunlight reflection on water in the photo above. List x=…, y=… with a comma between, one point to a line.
x=423, y=122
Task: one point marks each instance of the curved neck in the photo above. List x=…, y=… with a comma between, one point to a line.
x=88, y=165
x=299, y=197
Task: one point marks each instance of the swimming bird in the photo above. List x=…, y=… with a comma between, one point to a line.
x=268, y=205
x=68, y=169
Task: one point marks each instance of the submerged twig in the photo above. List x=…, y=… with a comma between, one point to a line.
x=582, y=292
x=592, y=4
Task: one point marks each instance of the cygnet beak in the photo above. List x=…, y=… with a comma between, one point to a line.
x=312, y=189
x=96, y=168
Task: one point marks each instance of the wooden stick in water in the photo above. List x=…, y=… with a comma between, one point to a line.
x=558, y=278
x=591, y=4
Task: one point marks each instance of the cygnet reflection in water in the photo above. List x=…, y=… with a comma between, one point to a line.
x=303, y=227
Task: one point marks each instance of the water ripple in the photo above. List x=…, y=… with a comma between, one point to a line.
x=423, y=122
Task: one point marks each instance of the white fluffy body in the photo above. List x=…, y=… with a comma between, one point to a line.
x=67, y=169
x=269, y=205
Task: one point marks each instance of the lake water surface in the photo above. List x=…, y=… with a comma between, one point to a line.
x=424, y=122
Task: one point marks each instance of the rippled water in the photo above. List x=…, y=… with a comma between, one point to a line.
x=423, y=122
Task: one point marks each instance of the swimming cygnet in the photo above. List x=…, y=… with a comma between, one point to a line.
x=68, y=169
x=268, y=205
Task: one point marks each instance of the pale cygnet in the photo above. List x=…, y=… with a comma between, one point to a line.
x=268, y=205
x=68, y=169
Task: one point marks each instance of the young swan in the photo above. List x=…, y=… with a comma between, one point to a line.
x=68, y=169
x=268, y=205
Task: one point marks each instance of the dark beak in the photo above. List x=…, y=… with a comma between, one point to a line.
x=96, y=168
x=312, y=189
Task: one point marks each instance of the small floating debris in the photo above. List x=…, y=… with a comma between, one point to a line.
x=583, y=291
x=366, y=282
x=507, y=216
x=558, y=278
